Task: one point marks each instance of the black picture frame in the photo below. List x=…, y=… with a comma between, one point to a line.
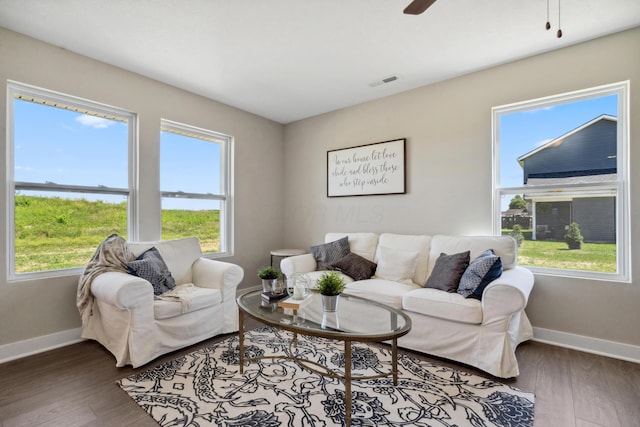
x=367, y=170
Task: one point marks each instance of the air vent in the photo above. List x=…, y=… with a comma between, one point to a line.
x=383, y=81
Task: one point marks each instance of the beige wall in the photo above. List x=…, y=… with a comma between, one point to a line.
x=448, y=131
x=41, y=307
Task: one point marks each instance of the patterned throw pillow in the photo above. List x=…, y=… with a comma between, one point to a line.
x=355, y=266
x=328, y=253
x=151, y=267
x=482, y=271
x=447, y=271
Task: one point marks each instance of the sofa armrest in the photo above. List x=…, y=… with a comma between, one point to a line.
x=224, y=276
x=305, y=263
x=122, y=290
x=506, y=295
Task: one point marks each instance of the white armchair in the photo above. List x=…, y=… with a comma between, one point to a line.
x=137, y=327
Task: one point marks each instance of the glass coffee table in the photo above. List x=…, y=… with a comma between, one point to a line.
x=356, y=319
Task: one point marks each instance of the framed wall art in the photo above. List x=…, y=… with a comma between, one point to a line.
x=367, y=170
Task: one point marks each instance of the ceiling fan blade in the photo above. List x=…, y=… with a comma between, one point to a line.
x=418, y=6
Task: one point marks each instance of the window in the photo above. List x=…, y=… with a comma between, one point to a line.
x=195, y=183
x=69, y=175
x=560, y=172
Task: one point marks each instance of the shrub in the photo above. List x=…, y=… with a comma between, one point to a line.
x=517, y=234
x=573, y=237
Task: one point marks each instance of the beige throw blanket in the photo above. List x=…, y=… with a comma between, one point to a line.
x=112, y=255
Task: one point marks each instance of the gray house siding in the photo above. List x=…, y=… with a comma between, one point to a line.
x=591, y=151
x=596, y=217
x=586, y=154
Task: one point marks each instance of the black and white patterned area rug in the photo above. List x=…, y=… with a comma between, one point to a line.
x=205, y=388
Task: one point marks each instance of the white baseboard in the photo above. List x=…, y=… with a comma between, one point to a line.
x=19, y=349
x=630, y=353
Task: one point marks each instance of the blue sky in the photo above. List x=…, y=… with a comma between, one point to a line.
x=66, y=147
x=522, y=132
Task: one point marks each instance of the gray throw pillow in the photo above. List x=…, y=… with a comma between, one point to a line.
x=151, y=267
x=447, y=271
x=355, y=266
x=328, y=253
x=483, y=270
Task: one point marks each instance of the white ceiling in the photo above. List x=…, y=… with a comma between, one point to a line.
x=291, y=59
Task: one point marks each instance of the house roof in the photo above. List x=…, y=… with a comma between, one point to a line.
x=290, y=59
x=559, y=140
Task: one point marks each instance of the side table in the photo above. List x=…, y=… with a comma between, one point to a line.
x=284, y=253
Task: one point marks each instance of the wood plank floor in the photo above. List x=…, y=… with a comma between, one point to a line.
x=75, y=386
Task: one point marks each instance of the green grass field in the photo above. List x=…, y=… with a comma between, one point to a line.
x=53, y=233
x=591, y=257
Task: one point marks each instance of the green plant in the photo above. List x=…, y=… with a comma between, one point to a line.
x=268, y=273
x=517, y=234
x=330, y=283
x=573, y=237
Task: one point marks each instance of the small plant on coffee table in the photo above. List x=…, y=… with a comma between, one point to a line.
x=330, y=283
x=268, y=273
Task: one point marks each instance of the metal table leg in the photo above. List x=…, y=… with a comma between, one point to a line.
x=241, y=340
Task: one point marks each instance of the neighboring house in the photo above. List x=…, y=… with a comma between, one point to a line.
x=583, y=155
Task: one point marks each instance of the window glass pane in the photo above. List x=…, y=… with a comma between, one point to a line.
x=66, y=147
x=189, y=164
x=559, y=174
x=63, y=230
x=565, y=143
x=192, y=217
x=70, y=164
x=192, y=185
x=542, y=226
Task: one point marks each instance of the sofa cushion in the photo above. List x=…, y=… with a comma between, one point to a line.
x=396, y=265
x=504, y=246
x=355, y=266
x=410, y=242
x=444, y=305
x=481, y=271
x=198, y=298
x=363, y=244
x=151, y=267
x=447, y=272
x=328, y=253
x=380, y=290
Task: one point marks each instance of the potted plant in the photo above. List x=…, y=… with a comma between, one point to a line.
x=269, y=276
x=330, y=286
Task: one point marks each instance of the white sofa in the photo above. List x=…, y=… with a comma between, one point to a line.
x=137, y=328
x=481, y=333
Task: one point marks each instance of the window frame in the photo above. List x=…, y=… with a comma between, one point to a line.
x=226, y=181
x=619, y=187
x=17, y=90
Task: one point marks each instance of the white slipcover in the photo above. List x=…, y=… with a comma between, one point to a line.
x=483, y=334
x=137, y=328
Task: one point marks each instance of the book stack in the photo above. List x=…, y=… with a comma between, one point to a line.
x=271, y=297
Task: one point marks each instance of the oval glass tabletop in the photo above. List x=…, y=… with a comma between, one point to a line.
x=355, y=318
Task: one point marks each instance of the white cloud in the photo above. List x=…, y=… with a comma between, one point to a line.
x=94, y=122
